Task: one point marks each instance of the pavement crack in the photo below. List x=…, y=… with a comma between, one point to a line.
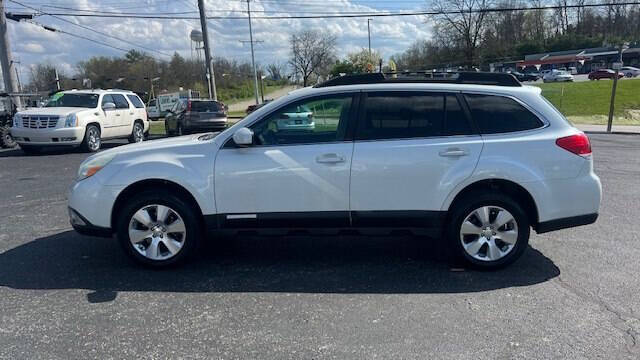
x=620, y=319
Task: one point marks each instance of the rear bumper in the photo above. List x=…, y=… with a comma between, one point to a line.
x=564, y=223
x=205, y=125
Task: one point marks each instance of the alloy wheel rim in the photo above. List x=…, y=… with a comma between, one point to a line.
x=489, y=233
x=157, y=232
x=138, y=133
x=94, y=139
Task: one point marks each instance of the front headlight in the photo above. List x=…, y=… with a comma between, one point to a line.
x=92, y=165
x=71, y=120
x=17, y=120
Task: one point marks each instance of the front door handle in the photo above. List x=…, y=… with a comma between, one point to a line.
x=453, y=152
x=330, y=158
x=117, y=114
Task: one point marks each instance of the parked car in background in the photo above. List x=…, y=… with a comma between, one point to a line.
x=522, y=77
x=153, y=111
x=557, y=76
x=604, y=74
x=630, y=71
x=476, y=165
x=190, y=116
x=81, y=118
x=296, y=118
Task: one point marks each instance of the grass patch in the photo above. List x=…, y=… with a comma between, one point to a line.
x=588, y=102
x=156, y=127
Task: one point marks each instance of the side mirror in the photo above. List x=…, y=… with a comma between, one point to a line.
x=108, y=106
x=243, y=137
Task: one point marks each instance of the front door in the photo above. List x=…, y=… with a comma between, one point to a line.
x=411, y=150
x=110, y=121
x=297, y=171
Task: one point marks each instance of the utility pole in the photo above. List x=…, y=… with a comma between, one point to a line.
x=369, y=32
x=616, y=67
x=253, y=58
x=8, y=66
x=57, y=79
x=211, y=81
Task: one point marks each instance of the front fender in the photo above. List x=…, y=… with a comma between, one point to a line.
x=194, y=172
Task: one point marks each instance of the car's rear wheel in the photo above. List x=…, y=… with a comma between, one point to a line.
x=92, y=140
x=158, y=229
x=137, y=133
x=488, y=230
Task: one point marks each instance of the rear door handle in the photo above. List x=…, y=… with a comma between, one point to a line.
x=117, y=114
x=330, y=158
x=453, y=152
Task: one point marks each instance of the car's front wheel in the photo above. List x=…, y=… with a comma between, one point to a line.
x=488, y=230
x=92, y=140
x=158, y=229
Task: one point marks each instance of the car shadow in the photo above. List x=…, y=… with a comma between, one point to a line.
x=298, y=264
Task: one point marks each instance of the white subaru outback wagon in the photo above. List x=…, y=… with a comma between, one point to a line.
x=81, y=118
x=477, y=158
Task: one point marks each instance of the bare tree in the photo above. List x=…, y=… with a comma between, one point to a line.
x=465, y=19
x=311, y=53
x=275, y=70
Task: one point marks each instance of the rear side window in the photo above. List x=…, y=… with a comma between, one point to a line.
x=204, y=106
x=401, y=115
x=121, y=102
x=136, y=101
x=499, y=114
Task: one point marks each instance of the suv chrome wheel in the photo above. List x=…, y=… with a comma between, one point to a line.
x=138, y=132
x=489, y=233
x=93, y=138
x=157, y=232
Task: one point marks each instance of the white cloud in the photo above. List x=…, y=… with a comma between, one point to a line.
x=33, y=44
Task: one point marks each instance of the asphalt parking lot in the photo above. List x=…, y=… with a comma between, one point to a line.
x=573, y=295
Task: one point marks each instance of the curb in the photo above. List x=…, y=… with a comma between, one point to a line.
x=597, y=132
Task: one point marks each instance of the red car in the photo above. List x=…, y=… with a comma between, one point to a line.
x=604, y=74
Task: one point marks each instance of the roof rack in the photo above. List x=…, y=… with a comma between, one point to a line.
x=462, y=77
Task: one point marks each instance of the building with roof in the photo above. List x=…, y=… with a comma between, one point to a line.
x=584, y=60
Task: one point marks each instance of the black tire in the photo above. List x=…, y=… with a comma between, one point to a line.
x=462, y=208
x=166, y=129
x=30, y=149
x=137, y=132
x=184, y=209
x=92, y=141
x=6, y=141
x=180, y=130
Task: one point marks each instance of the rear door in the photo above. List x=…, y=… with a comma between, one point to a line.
x=411, y=150
x=124, y=115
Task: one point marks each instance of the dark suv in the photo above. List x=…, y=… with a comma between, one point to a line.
x=188, y=116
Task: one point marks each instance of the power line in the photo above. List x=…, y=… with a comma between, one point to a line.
x=53, y=29
x=93, y=30
x=345, y=15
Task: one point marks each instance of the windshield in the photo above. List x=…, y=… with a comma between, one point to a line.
x=73, y=100
x=204, y=106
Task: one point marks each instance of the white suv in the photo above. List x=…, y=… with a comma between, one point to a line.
x=476, y=164
x=81, y=118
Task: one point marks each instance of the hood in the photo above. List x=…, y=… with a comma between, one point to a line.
x=56, y=111
x=165, y=144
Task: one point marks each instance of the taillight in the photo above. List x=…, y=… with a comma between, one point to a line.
x=189, y=105
x=578, y=144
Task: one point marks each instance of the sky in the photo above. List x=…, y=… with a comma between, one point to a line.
x=32, y=44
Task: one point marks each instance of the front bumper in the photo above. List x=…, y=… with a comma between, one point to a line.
x=84, y=227
x=48, y=137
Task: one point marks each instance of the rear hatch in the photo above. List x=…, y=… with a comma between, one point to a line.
x=206, y=111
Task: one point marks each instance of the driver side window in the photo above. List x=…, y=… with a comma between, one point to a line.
x=315, y=120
